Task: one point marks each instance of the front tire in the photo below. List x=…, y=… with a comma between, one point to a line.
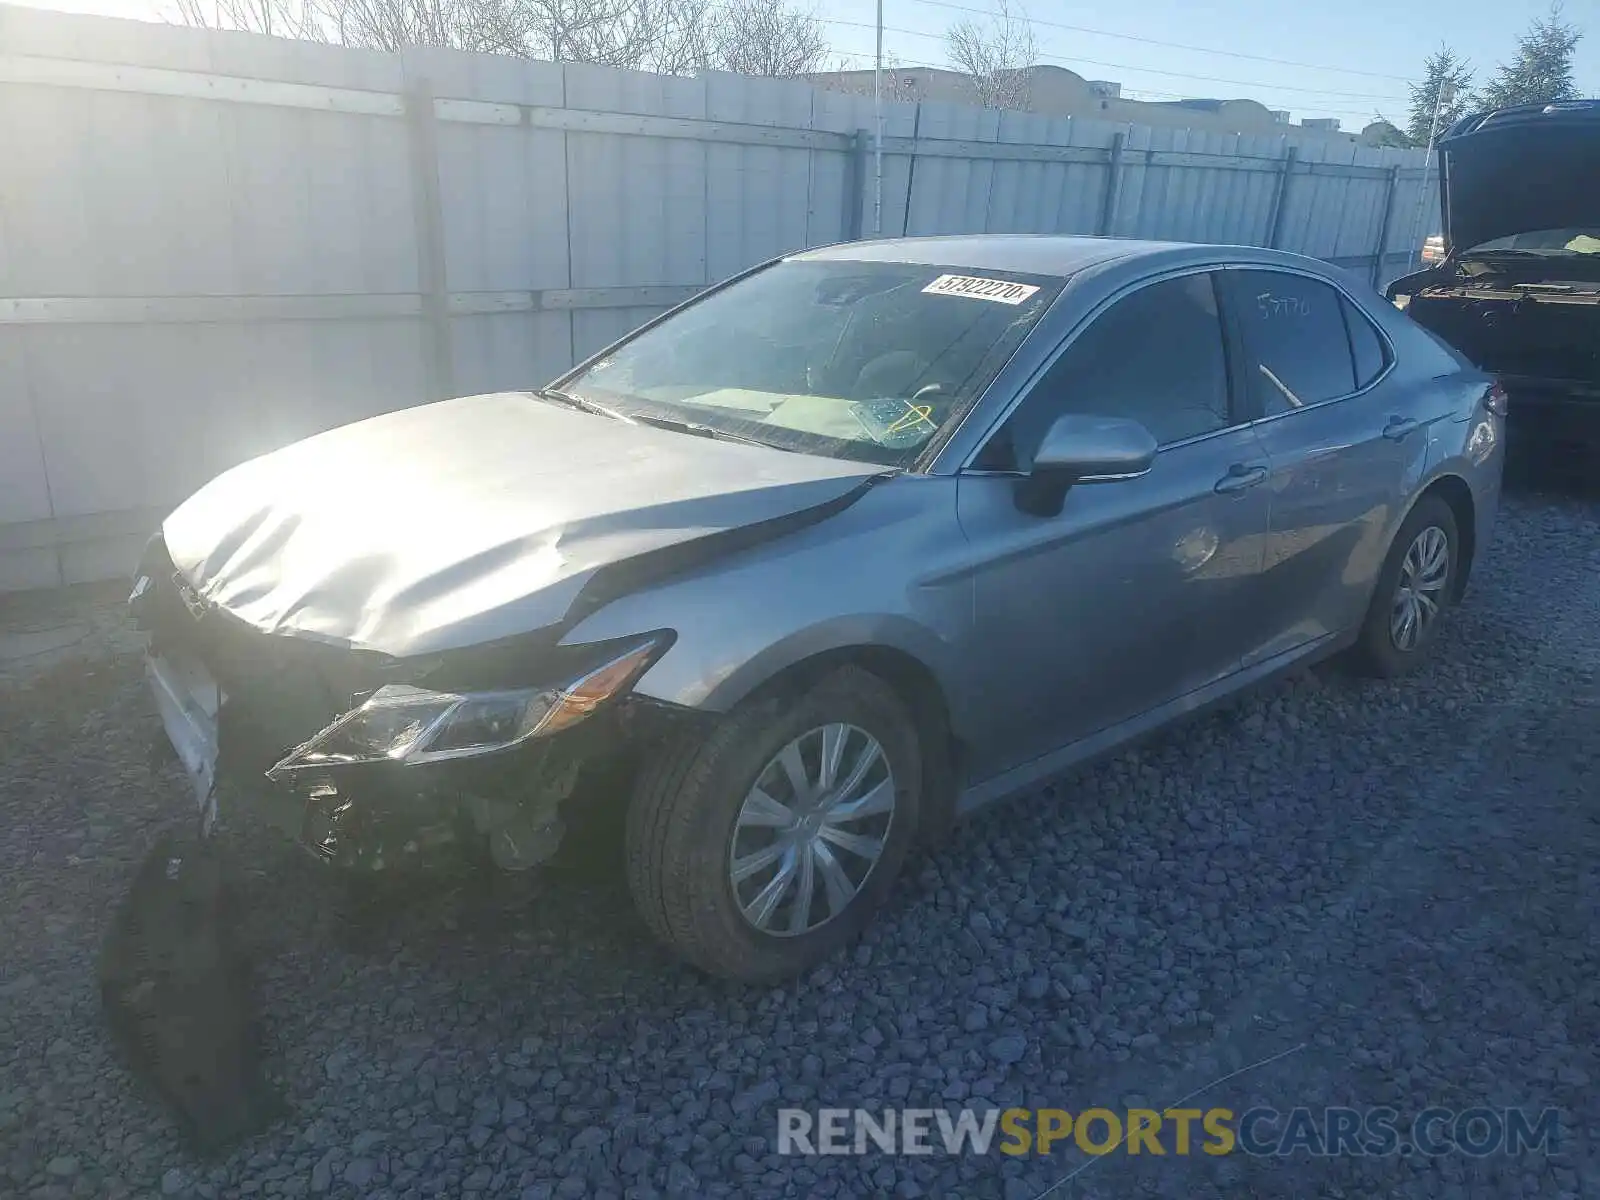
x=761, y=849
x=1415, y=588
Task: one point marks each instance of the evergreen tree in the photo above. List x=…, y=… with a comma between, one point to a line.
x=1542, y=70
x=1447, y=71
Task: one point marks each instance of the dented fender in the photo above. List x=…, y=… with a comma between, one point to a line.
x=907, y=589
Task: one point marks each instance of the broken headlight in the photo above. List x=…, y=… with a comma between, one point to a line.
x=405, y=724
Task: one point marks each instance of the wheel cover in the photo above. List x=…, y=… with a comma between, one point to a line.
x=811, y=830
x=1419, y=592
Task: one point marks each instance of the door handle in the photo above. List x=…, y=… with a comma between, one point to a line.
x=1241, y=476
x=1399, y=427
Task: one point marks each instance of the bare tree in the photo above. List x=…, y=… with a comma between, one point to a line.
x=675, y=37
x=997, y=53
x=486, y=26
x=617, y=33
x=759, y=37
x=613, y=33
x=298, y=19
x=680, y=38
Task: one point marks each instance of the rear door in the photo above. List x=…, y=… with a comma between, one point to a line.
x=1137, y=592
x=1341, y=448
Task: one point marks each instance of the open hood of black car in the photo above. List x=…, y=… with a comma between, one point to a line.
x=1517, y=170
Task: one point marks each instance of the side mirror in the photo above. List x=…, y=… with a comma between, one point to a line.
x=1083, y=449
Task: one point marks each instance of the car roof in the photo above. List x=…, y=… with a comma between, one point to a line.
x=1577, y=113
x=1043, y=254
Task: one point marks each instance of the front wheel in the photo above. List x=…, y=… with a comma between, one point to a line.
x=1416, y=585
x=760, y=850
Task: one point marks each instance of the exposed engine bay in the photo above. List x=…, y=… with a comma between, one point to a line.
x=1532, y=318
x=1516, y=285
x=1548, y=330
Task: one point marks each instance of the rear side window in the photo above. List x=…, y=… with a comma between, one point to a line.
x=1365, y=344
x=1295, y=329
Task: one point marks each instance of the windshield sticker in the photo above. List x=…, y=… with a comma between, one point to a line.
x=895, y=423
x=1001, y=291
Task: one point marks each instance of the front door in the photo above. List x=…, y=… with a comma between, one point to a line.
x=1138, y=591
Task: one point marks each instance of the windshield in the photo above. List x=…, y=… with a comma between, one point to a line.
x=855, y=360
x=1546, y=241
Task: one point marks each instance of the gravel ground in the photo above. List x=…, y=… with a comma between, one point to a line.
x=1393, y=887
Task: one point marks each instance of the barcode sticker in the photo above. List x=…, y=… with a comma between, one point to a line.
x=974, y=287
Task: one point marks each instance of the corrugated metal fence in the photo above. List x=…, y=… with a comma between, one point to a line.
x=214, y=243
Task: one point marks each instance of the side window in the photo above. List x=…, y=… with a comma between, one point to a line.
x=1365, y=344
x=1156, y=356
x=1295, y=330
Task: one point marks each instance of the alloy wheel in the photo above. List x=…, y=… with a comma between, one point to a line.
x=811, y=830
x=1419, y=593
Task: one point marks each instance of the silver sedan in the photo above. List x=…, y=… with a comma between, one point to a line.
x=844, y=549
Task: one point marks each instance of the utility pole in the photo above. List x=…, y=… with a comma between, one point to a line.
x=877, y=142
x=1447, y=93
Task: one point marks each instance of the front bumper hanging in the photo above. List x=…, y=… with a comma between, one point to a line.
x=234, y=702
x=189, y=701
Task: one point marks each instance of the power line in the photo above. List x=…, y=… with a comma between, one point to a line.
x=1056, y=58
x=1128, y=37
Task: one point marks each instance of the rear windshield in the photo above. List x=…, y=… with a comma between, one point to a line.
x=853, y=360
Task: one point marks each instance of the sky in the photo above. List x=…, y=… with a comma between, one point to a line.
x=1349, y=59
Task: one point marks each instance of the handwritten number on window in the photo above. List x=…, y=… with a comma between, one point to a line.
x=1282, y=306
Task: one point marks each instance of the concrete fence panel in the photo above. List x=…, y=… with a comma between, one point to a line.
x=212, y=244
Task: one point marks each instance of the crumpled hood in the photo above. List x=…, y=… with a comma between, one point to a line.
x=1517, y=172
x=457, y=523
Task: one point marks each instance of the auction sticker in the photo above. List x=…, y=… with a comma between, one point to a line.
x=1001, y=291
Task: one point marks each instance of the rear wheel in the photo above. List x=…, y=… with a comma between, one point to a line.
x=761, y=849
x=1415, y=587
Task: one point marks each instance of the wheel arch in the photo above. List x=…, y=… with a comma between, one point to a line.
x=914, y=681
x=1456, y=493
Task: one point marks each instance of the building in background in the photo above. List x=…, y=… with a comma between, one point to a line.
x=1059, y=92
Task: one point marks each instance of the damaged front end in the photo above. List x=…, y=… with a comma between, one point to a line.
x=369, y=761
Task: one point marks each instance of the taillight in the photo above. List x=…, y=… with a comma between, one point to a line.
x=1496, y=400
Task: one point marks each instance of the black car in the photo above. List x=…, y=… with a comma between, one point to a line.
x=1518, y=289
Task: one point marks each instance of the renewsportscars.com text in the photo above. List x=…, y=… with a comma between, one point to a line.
x=1178, y=1131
